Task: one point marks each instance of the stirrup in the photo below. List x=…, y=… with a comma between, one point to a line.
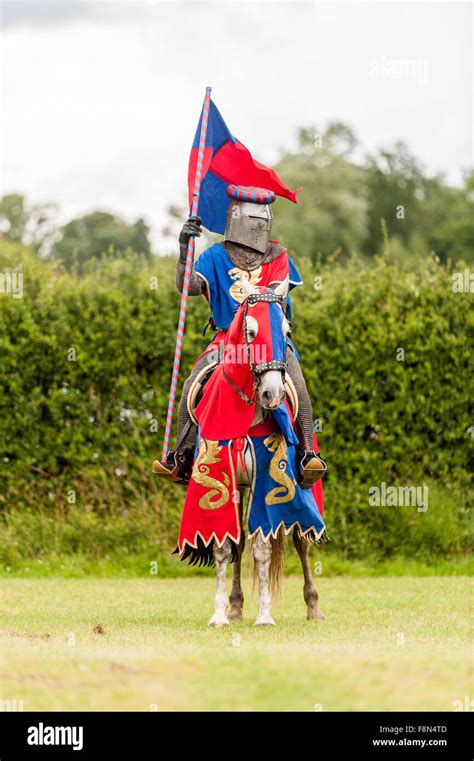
x=178, y=467
x=165, y=470
x=313, y=469
x=170, y=470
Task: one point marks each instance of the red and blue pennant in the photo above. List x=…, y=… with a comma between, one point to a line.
x=226, y=162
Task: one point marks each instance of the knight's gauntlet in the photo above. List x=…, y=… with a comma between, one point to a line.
x=190, y=228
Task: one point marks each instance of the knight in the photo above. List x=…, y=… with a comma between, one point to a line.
x=247, y=254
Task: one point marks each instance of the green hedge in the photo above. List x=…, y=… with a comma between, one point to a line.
x=84, y=376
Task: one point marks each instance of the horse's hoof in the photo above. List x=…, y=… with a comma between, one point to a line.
x=219, y=619
x=265, y=620
x=315, y=615
x=235, y=614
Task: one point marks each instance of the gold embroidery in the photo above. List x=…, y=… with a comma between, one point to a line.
x=207, y=456
x=239, y=275
x=278, y=465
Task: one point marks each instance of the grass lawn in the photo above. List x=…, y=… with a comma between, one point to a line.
x=144, y=644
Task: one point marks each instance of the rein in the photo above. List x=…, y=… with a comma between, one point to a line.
x=262, y=367
x=242, y=394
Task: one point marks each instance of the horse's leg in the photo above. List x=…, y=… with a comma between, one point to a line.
x=310, y=594
x=236, y=594
x=221, y=557
x=262, y=553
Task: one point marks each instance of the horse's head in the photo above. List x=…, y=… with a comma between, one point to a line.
x=265, y=329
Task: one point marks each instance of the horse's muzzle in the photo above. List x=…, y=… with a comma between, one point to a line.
x=270, y=399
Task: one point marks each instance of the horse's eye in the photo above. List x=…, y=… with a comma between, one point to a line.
x=251, y=326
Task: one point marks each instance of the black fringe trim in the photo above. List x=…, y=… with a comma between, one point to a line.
x=202, y=555
x=311, y=536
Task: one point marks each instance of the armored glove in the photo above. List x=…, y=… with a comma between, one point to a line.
x=191, y=227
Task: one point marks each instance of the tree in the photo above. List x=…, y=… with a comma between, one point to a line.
x=332, y=208
x=417, y=208
x=396, y=192
x=139, y=239
x=30, y=224
x=451, y=229
x=96, y=234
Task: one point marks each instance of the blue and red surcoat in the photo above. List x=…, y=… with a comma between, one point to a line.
x=223, y=280
x=223, y=284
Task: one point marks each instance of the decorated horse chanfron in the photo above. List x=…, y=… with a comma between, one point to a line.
x=247, y=444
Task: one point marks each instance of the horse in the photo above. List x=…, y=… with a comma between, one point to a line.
x=250, y=385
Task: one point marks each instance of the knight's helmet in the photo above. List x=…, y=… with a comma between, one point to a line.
x=249, y=217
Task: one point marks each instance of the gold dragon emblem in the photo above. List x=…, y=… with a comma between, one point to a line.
x=278, y=466
x=240, y=276
x=207, y=456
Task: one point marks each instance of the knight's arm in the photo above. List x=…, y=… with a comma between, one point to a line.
x=196, y=284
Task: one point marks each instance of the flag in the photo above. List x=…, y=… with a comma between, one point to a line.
x=226, y=162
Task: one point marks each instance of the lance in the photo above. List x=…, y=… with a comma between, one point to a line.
x=187, y=277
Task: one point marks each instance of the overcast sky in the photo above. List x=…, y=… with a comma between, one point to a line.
x=100, y=100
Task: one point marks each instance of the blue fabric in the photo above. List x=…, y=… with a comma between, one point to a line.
x=213, y=203
x=283, y=420
x=295, y=277
x=265, y=512
x=218, y=132
x=214, y=265
x=276, y=327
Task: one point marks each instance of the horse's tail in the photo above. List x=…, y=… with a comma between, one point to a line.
x=276, y=563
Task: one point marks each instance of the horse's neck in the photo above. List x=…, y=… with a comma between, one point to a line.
x=258, y=416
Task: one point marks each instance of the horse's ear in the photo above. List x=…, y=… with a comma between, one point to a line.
x=282, y=288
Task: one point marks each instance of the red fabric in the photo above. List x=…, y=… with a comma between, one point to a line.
x=222, y=413
x=218, y=338
x=193, y=159
x=275, y=271
x=211, y=507
x=234, y=164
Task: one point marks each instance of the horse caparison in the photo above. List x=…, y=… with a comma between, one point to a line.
x=267, y=552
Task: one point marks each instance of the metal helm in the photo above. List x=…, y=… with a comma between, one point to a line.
x=249, y=217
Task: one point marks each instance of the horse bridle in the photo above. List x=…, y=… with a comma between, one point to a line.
x=261, y=367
